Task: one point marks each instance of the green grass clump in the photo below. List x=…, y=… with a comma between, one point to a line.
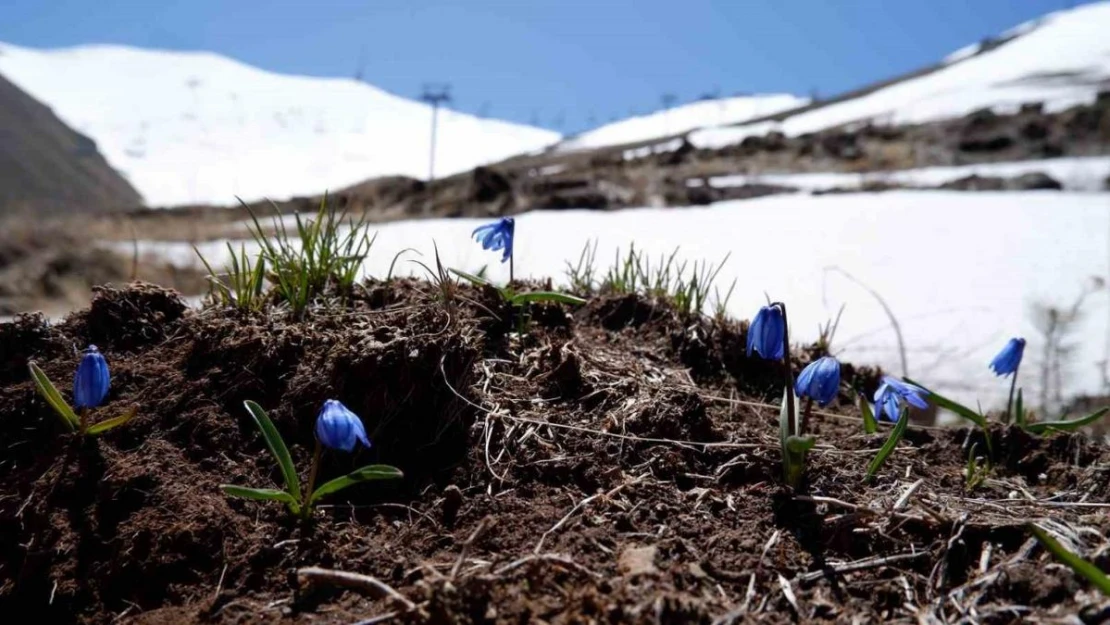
x=685, y=285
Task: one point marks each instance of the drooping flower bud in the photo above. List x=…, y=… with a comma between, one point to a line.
x=339, y=428
x=765, y=333
x=819, y=381
x=1009, y=359
x=90, y=383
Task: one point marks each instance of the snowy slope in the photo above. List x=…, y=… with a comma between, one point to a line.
x=187, y=127
x=1080, y=174
x=1061, y=59
x=960, y=270
x=682, y=119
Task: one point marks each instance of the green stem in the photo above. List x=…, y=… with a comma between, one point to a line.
x=510, y=269
x=84, y=425
x=794, y=429
x=1010, y=403
x=316, y=455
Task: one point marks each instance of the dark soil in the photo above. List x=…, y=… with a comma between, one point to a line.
x=618, y=464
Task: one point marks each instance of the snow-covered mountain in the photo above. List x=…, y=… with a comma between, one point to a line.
x=684, y=118
x=196, y=127
x=1060, y=60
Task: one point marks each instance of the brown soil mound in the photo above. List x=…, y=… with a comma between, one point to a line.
x=619, y=464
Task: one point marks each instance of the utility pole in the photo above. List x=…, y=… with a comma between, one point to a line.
x=435, y=94
x=668, y=100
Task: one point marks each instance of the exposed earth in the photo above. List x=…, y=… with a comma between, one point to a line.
x=618, y=463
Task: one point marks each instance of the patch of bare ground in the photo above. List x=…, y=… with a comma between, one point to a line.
x=617, y=464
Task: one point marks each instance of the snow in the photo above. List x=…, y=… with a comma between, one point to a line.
x=1061, y=60
x=194, y=127
x=1084, y=174
x=959, y=270
x=682, y=119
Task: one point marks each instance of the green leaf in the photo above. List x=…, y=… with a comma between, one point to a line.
x=1041, y=427
x=870, y=426
x=1082, y=567
x=277, y=448
x=54, y=398
x=890, y=444
x=545, y=296
x=1019, y=410
x=259, y=494
x=365, y=474
x=114, y=422
x=473, y=279
x=961, y=410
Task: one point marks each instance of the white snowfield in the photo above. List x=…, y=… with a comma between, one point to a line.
x=684, y=118
x=1081, y=174
x=196, y=127
x=960, y=271
x=1060, y=60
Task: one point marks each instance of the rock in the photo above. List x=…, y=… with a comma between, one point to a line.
x=1034, y=181
x=975, y=183
x=637, y=560
x=486, y=184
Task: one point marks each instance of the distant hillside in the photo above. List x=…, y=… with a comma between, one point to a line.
x=46, y=166
x=200, y=128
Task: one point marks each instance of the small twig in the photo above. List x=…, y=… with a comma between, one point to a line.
x=381, y=618
x=905, y=498
x=546, y=557
x=372, y=585
x=578, y=506
x=788, y=592
x=859, y=565
x=770, y=543
x=478, y=531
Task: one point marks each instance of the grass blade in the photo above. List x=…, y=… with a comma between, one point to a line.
x=50, y=393
x=1066, y=426
x=365, y=474
x=889, y=445
x=870, y=426
x=471, y=278
x=545, y=296
x=277, y=447
x=1083, y=568
x=259, y=494
x=114, y=422
x=961, y=410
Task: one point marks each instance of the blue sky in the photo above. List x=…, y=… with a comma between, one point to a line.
x=566, y=65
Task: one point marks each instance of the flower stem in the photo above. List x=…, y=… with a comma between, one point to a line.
x=316, y=455
x=84, y=417
x=789, y=375
x=510, y=269
x=1010, y=403
x=806, y=410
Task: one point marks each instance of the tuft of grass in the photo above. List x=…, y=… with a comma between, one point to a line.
x=977, y=469
x=322, y=255
x=888, y=447
x=447, y=286
x=581, y=276
x=686, y=286
x=243, y=284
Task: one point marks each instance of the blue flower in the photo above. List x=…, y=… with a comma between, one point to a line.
x=765, y=333
x=339, y=428
x=497, y=236
x=892, y=392
x=90, y=383
x=887, y=405
x=1009, y=359
x=820, y=380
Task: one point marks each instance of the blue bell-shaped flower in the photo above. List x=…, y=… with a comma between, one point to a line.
x=339, y=428
x=819, y=381
x=497, y=236
x=892, y=392
x=91, y=382
x=1009, y=359
x=766, y=332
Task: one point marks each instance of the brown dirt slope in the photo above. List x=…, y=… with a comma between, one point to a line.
x=617, y=464
x=45, y=166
